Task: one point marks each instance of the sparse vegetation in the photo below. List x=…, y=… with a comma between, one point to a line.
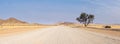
x=107, y=26
x=85, y=18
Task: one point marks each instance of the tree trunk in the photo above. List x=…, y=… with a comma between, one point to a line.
x=85, y=24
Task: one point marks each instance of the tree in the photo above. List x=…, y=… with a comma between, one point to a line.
x=85, y=19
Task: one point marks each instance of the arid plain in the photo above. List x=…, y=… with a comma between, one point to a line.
x=13, y=31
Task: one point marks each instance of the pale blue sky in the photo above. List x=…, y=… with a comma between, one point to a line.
x=51, y=11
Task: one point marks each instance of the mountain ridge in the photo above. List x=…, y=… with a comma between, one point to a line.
x=12, y=20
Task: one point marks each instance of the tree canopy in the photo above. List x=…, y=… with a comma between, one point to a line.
x=85, y=18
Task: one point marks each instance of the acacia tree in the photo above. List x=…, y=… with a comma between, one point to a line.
x=85, y=19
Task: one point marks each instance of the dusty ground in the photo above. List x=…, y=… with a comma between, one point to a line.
x=8, y=30
x=114, y=31
x=99, y=28
x=102, y=26
x=59, y=35
x=70, y=34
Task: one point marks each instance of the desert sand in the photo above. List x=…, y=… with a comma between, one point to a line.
x=60, y=35
x=9, y=30
x=99, y=28
x=13, y=31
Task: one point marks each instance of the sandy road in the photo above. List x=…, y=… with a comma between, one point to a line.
x=58, y=35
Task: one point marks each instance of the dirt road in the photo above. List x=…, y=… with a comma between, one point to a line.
x=59, y=35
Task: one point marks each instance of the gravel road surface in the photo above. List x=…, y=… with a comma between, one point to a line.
x=58, y=35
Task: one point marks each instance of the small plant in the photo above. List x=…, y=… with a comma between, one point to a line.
x=107, y=26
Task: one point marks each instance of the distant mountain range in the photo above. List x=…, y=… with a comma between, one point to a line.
x=64, y=23
x=11, y=20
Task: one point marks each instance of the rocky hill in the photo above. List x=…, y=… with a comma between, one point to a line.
x=65, y=23
x=1, y=21
x=12, y=21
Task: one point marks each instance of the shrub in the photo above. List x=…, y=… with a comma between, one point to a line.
x=107, y=26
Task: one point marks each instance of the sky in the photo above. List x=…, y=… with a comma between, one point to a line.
x=52, y=11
